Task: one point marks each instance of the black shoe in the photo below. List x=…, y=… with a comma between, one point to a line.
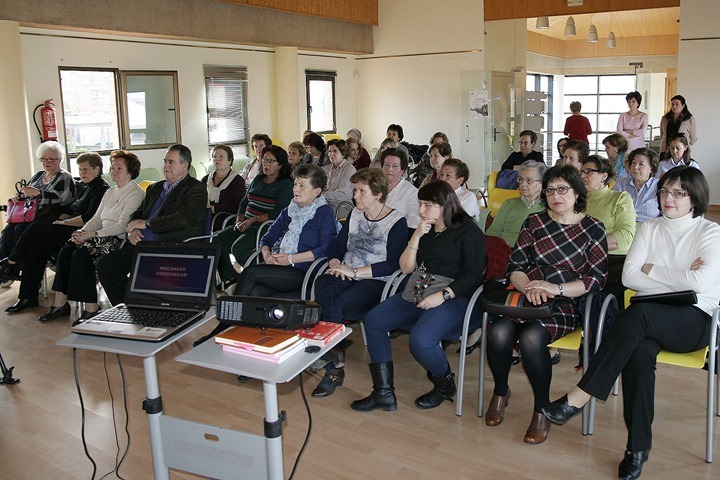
x=444, y=390
x=555, y=359
x=517, y=360
x=21, y=305
x=56, y=312
x=9, y=271
x=631, y=465
x=383, y=394
x=88, y=315
x=396, y=333
x=333, y=378
x=560, y=411
x=243, y=379
x=471, y=348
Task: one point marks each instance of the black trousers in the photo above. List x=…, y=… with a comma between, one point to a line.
x=75, y=274
x=631, y=347
x=267, y=280
x=38, y=242
x=113, y=270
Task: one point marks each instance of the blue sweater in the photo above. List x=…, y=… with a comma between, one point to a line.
x=316, y=235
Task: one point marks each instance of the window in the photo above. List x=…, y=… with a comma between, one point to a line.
x=93, y=99
x=535, y=82
x=603, y=100
x=321, y=101
x=226, y=91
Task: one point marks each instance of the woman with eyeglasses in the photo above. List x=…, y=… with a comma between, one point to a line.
x=267, y=196
x=54, y=188
x=560, y=253
x=614, y=209
x=632, y=344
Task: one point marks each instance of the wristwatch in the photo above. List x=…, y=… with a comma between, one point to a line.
x=446, y=294
x=147, y=223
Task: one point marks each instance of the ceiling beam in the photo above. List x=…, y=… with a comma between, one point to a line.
x=510, y=9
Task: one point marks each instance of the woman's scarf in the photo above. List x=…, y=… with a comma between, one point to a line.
x=213, y=191
x=299, y=216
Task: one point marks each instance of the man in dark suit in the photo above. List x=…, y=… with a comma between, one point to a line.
x=173, y=210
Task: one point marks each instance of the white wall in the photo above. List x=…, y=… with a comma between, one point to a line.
x=42, y=55
x=698, y=71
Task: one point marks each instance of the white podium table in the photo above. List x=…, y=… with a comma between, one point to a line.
x=203, y=449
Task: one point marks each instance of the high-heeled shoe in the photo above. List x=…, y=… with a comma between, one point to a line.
x=496, y=410
x=538, y=430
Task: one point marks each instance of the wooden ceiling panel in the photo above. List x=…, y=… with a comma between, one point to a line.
x=364, y=12
x=510, y=9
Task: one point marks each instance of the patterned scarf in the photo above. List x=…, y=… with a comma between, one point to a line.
x=299, y=216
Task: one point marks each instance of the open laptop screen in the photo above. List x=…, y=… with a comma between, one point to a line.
x=159, y=274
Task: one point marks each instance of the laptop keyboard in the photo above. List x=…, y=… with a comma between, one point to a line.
x=149, y=318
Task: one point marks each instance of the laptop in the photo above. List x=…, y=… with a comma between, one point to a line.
x=171, y=286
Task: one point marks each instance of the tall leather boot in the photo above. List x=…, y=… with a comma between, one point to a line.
x=444, y=390
x=383, y=394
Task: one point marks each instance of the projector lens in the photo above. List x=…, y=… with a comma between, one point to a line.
x=278, y=313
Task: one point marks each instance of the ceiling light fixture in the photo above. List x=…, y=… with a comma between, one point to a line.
x=570, y=27
x=611, y=37
x=593, y=34
x=542, y=23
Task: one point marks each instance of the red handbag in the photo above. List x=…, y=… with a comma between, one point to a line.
x=22, y=210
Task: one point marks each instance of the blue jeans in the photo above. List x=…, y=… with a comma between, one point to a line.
x=346, y=299
x=427, y=328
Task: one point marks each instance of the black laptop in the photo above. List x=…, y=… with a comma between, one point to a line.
x=171, y=286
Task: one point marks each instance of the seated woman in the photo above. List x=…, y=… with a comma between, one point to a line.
x=363, y=255
x=363, y=160
x=419, y=173
x=641, y=184
x=614, y=209
x=384, y=145
x=296, y=152
x=253, y=168
x=354, y=152
x=41, y=240
x=575, y=153
x=316, y=150
x=456, y=173
x=225, y=186
x=103, y=233
x=267, y=196
x=679, y=151
x=447, y=243
x=338, y=171
x=438, y=153
x=302, y=232
x=560, y=253
x=616, y=147
x=561, y=149
x=53, y=186
x=675, y=252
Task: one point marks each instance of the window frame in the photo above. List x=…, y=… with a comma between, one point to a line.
x=320, y=75
x=228, y=72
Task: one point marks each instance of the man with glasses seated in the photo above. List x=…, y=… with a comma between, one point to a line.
x=527, y=143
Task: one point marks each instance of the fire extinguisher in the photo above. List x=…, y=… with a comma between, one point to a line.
x=49, y=125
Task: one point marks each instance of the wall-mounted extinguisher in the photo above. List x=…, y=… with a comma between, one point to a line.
x=49, y=124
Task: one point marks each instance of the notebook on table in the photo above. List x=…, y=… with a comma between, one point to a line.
x=171, y=286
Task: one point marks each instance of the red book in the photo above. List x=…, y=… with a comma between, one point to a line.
x=257, y=339
x=321, y=334
x=277, y=357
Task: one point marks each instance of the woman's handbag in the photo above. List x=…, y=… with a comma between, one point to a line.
x=100, y=246
x=22, y=210
x=500, y=299
x=421, y=284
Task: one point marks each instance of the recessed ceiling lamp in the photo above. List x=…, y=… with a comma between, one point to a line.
x=570, y=27
x=592, y=34
x=542, y=23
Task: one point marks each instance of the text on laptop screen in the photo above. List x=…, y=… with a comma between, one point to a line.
x=179, y=274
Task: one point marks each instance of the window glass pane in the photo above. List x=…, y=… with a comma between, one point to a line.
x=89, y=110
x=226, y=91
x=617, y=84
x=322, y=105
x=151, y=109
x=530, y=83
x=589, y=103
x=607, y=123
x=581, y=85
x=613, y=103
x=544, y=80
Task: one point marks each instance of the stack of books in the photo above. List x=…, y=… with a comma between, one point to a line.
x=269, y=345
x=321, y=334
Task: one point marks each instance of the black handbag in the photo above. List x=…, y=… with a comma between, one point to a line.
x=501, y=299
x=684, y=297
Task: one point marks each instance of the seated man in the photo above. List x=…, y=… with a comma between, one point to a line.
x=527, y=143
x=402, y=196
x=173, y=210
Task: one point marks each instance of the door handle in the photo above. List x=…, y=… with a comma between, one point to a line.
x=495, y=133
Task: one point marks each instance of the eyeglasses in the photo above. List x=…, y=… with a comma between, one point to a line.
x=529, y=181
x=677, y=194
x=268, y=160
x=48, y=160
x=588, y=171
x=549, y=191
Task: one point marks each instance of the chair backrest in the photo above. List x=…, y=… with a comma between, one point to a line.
x=148, y=173
x=144, y=184
x=497, y=196
x=343, y=210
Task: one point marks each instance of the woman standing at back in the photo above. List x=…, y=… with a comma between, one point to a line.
x=633, y=123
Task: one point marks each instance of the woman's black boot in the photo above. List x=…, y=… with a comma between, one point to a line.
x=383, y=394
x=444, y=390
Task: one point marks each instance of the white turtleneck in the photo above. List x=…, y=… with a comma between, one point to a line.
x=671, y=245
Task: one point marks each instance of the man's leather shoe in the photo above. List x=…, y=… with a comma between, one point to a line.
x=538, y=430
x=496, y=410
x=21, y=305
x=560, y=411
x=631, y=465
x=55, y=313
